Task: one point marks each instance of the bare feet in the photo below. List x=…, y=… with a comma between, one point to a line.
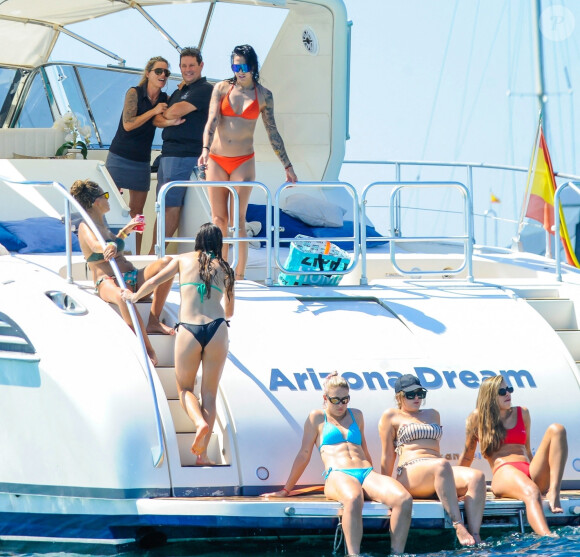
x=477, y=538
x=553, y=499
x=154, y=326
x=464, y=537
x=201, y=430
x=152, y=355
x=203, y=460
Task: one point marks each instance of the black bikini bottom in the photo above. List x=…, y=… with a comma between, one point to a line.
x=203, y=333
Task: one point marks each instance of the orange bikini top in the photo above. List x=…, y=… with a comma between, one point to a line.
x=251, y=112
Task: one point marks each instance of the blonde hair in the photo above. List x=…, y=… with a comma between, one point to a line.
x=490, y=429
x=149, y=67
x=335, y=380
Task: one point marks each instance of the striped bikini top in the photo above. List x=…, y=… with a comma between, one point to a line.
x=413, y=431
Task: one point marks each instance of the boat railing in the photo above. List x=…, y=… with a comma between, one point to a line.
x=158, y=451
x=395, y=237
x=235, y=237
x=574, y=186
x=355, y=238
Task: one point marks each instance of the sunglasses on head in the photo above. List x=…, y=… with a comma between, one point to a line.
x=159, y=71
x=338, y=400
x=240, y=68
x=105, y=194
x=421, y=393
x=503, y=391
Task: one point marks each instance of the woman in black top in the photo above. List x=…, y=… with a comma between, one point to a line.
x=129, y=159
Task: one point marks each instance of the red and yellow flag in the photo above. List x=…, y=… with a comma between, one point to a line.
x=541, y=187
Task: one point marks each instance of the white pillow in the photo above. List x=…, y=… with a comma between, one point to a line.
x=314, y=211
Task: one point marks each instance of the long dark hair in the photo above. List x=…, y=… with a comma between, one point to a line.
x=209, y=242
x=251, y=57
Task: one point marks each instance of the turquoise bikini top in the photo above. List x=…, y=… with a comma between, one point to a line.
x=201, y=288
x=99, y=256
x=331, y=435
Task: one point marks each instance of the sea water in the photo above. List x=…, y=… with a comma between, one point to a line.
x=427, y=543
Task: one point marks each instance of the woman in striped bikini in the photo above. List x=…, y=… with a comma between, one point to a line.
x=228, y=140
x=503, y=433
x=350, y=479
x=412, y=433
x=202, y=333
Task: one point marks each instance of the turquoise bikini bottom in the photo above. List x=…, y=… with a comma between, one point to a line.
x=359, y=473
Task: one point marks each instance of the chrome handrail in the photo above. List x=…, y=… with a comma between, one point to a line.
x=557, y=237
x=158, y=452
x=356, y=229
x=236, y=239
x=395, y=236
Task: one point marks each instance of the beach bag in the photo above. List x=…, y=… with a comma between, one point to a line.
x=318, y=255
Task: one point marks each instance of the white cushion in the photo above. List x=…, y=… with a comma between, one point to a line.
x=313, y=210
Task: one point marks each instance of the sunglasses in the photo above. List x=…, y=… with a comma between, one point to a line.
x=338, y=400
x=421, y=393
x=159, y=71
x=240, y=68
x=503, y=392
x=105, y=194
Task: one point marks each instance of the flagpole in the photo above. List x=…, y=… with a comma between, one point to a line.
x=539, y=61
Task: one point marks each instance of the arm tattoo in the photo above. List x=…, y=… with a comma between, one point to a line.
x=272, y=130
x=213, y=116
x=130, y=107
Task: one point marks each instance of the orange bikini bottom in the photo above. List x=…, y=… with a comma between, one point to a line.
x=229, y=164
x=523, y=467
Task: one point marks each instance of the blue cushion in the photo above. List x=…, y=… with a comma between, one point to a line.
x=292, y=227
x=346, y=230
x=9, y=241
x=40, y=235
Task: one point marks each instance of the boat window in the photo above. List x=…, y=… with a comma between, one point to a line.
x=7, y=79
x=36, y=111
x=105, y=90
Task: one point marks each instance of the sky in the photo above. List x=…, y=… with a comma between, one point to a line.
x=431, y=80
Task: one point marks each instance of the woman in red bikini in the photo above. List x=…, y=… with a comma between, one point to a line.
x=228, y=141
x=503, y=432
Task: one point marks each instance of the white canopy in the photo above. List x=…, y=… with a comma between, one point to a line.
x=29, y=29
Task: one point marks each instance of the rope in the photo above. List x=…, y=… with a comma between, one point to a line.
x=338, y=538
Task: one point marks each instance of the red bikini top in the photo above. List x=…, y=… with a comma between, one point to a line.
x=517, y=435
x=251, y=112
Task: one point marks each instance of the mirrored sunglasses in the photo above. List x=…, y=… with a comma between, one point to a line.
x=338, y=400
x=421, y=393
x=105, y=194
x=503, y=391
x=159, y=71
x=240, y=68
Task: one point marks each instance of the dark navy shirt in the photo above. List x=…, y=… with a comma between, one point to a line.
x=186, y=140
x=136, y=144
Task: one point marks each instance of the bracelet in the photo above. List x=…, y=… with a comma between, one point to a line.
x=284, y=489
x=205, y=147
x=122, y=235
x=288, y=166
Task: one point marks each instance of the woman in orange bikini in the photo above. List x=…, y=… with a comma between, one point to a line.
x=228, y=140
x=503, y=432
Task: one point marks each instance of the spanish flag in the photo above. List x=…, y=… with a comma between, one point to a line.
x=540, y=190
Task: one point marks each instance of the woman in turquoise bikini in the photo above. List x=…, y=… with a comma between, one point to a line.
x=413, y=433
x=206, y=280
x=350, y=479
x=95, y=202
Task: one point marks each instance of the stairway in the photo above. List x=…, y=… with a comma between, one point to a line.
x=560, y=313
x=184, y=427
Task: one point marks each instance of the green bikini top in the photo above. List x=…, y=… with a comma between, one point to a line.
x=120, y=243
x=201, y=288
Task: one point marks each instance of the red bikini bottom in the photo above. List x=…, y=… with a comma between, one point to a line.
x=229, y=164
x=521, y=466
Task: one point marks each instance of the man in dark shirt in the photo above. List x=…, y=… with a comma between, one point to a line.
x=183, y=123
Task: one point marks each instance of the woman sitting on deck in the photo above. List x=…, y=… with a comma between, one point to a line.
x=339, y=433
x=413, y=433
x=95, y=202
x=504, y=438
x=202, y=334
